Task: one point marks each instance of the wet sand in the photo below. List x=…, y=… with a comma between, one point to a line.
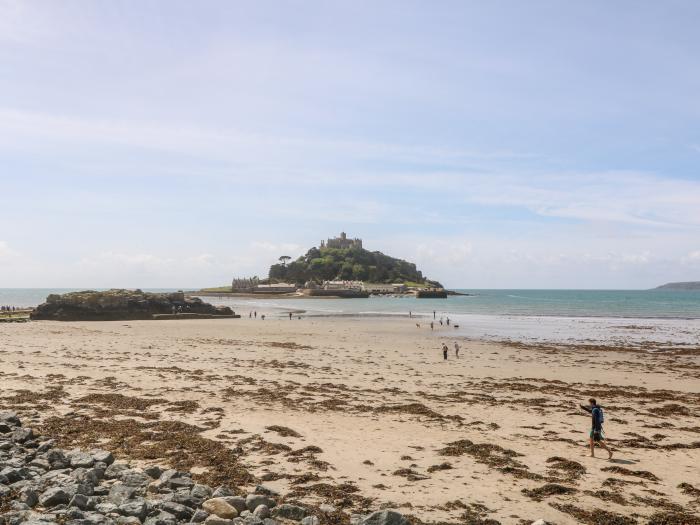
x=364, y=412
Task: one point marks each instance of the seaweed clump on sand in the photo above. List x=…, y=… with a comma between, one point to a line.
x=486, y=453
x=572, y=469
x=283, y=431
x=549, y=489
x=594, y=517
x=674, y=518
x=441, y=466
x=180, y=444
x=644, y=474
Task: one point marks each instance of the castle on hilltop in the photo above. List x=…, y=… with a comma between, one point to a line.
x=342, y=242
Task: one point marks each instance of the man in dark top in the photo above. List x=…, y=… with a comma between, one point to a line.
x=444, y=351
x=596, y=435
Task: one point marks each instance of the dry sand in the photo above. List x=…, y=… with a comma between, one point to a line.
x=364, y=413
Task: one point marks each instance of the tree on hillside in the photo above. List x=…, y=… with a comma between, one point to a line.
x=285, y=259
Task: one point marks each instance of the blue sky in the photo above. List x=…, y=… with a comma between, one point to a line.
x=497, y=144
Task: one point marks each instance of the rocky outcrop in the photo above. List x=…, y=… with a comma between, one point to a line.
x=41, y=484
x=121, y=305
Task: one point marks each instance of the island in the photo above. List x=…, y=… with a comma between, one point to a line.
x=338, y=267
x=123, y=305
x=688, y=286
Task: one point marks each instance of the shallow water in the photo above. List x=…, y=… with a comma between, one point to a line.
x=565, y=316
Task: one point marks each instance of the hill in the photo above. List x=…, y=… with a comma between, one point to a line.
x=352, y=263
x=681, y=287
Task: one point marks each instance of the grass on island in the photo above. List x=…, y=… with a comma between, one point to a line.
x=217, y=289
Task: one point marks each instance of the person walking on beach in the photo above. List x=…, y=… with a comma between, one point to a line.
x=432, y=325
x=444, y=351
x=596, y=435
x=433, y=314
x=457, y=350
x=255, y=314
x=441, y=321
x=448, y=321
x=290, y=316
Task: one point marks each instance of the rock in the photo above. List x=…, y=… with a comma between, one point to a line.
x=269, y=521
x=199, y=516
x=201, y=491
x=262, y=512
x=262, y=489
x=80, y=501
x=290, y=512
x=325, y=507
x=20, y=435
x=134, y=478
x=310, y=520
x=5, y=428
x=80, y=459
x=163, y=518
x=385, y=517
x=237, y=502
x=119, y=493
x=246, y=513
x=41, y=463
x=10, y=418
x=215, y=520
x=180, y=511
x=136, y=508
x=11, y=474
x=253, y=500
x=57, y=459
x=53, y=496
x=153, y=471
x=539, y=522
x=116, y=469
x=118, y=305
x=220, y=508
x=128, y=520
x=28, y=496
x=222, y=491
x=102, y=456
x=106, y=507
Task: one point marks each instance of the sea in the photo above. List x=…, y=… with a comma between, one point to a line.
x=653, y=318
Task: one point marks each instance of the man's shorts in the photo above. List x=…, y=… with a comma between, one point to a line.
x=597, y=435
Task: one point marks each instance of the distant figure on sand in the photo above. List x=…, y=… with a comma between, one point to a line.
x=262, y=317
x=432, y=325
x=448, y=321
x=441, y=321
x=290, y=316
x=596, y=434
x=255, y=314
x=457, y=350
x=433, y=314
x=410, y=314
x=444, y=351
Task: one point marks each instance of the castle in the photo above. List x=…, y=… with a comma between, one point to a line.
x=342, y=242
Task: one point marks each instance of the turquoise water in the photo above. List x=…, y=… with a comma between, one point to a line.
x=638, y=304
x=626, y=317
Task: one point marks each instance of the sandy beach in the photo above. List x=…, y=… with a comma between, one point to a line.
x=364, y=413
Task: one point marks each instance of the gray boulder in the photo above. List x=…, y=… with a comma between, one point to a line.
x=311, y=520
x=253, y=500
x=237, y=502
x=385, y=517
x=53, y=496
x=119, y=493
x=136, y=508
x=290, y=512
x=79, y=459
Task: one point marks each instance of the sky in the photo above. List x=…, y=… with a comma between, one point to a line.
x=503, y=144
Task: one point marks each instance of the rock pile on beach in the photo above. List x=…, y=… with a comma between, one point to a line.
x=41, y=484
x=119, y=304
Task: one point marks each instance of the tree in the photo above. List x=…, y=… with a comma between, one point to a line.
x=285, y=259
